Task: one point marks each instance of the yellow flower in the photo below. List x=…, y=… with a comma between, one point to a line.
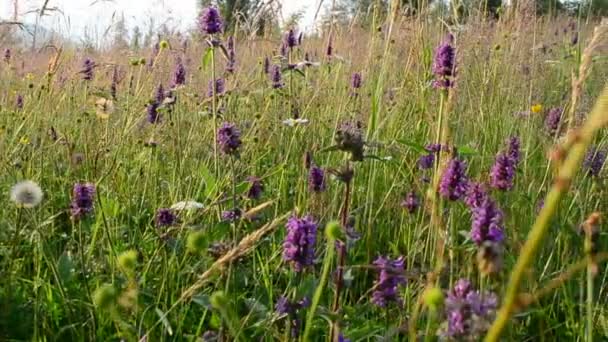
x=24, y=140
x=537, y=108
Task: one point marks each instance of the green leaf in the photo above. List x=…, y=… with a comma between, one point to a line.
x=414, y=146
x=210, y=182
x=466, y=151
x=164, y=320
x=202, y=300
x=206, y=60
x=65, y=268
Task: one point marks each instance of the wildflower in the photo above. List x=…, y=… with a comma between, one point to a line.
x=7, y=55
x=574, y=39
x=350, y=139
x=19, y=101
x=275, y=76
x=513, y=150
x=231, y=215
x=103, y=108
x=594, y=161
x=389, y=279
x=87, y=69
x=266, y=65
x=179, y=74
x=26, y=194
x=537, y=108
x=229, y=138
x=231, y=56
x=291, y=122
x=316, y=179
x=152, y=112
x=255, y=188
x=289, y=39
x=82, y=199
x=330, y=49
x=502, y=172
x=286, y=307
x=355, y=80
x=299, y=243
x=553, y=119
x=210, y=21
x=411, y=202
x=341, y=338
x=218, y=89
x=453, y=184
x=468, y=312
x=165, y=218
x=114, y=84
x=444, y=64
x=426, y=161
x=475, y=195
x=487, y=223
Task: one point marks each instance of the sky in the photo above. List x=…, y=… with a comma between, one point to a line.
x=75, y=16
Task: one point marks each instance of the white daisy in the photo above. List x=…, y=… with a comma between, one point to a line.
x=26, y=194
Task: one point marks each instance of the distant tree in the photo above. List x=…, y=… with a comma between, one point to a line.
x=136, y=40
x=121, y=34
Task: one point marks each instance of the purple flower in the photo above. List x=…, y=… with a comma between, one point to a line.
x=453, y=184
x=152, y=109
x=255, y=188
x=275, y=76
x=299, y=243
x=444, y=64
x=411, y=202
x=165, y=218
x=330, y=48
x=283, y=306
x=114, y=84
x=468, y=312
x=553, y=119
x=316, y=179
x=266, y=65
x=19, y=101
x=594, y=161
x=513, y=150
x=426, y=161
x=179, y=74
x=231, y=215
x=229, y=138
x=7, y=55
x=159, y=94
x=289, y=39
x=82, y=200
x=574, y=39
x=502, y=172
x=487, y=223
x=341, y=338
x=87, y=69
x=391, y=276
x=219, y=87
x=476, y=194
x=210, y=21
x=231, y=56
x=355, y=80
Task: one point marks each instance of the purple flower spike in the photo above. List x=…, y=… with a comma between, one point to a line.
x=487, y=223
x=502, y=173
x=83, y=196
x=229, y=138
x=316, y=179
x=513, y=149
x=411, y=202
x=220, y=87
x=210, y=21
x=299, y=243
x=231, y=64
x=444, y=64
x=7, y=55
x=594, y=161
x=255, y=188
x=476, y=194
x=87, y=69
x=390, y=278
x=275, y=77
x=290, y=40
x=468, y=312
x=19, y=101
x=453, y=184
x=179, y=74
x=552, y=120
x=355, y=80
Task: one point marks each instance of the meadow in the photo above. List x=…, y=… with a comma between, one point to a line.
x=415, y=180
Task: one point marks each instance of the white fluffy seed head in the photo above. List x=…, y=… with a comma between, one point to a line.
x=26, y=194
